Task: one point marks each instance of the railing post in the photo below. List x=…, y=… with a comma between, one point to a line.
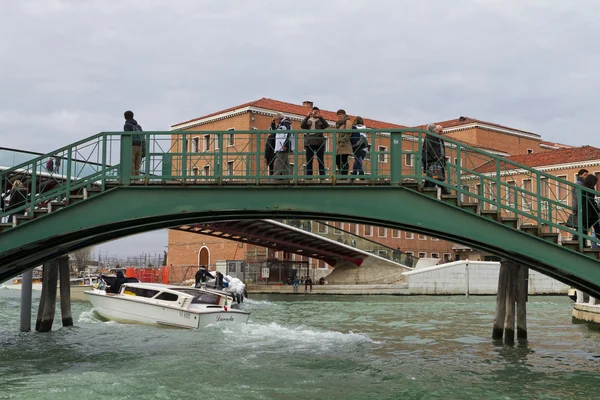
x=498, y=187
x=419, y=160
x=33, y=192
x=126, y=160
x=258, y=158
x=184, y=154
x=538, y=193
x=296, y=160
x=459, y=185
x=147, y=155
x=103, y=166
x=69, y=169
x=220, y=163
x=396, y=158
x=580, y=217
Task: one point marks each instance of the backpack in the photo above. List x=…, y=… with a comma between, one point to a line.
x=137, y=128
x=357, y=140
x=436, y=171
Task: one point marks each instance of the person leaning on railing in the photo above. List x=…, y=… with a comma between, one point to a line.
x=590, y=214
x=314, y=142
x=433, y=155
x=572, y=222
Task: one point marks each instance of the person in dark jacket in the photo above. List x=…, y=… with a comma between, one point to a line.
x=201, y=276
x=270, y=152
x=118, y=282
x=219, y=280
x=138, y=142
x=589, y=209
x=314, y=142
x=433, y=155
x=581, y=175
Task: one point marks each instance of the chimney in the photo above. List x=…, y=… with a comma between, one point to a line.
x=307, y=104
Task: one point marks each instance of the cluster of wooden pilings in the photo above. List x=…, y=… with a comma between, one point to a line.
x=52, y=270
x=511, y=300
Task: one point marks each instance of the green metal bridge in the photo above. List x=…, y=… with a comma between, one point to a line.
x=90, y=195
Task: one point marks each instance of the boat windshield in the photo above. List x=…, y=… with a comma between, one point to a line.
x=206, y=298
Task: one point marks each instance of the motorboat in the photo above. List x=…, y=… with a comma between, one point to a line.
x=166, y=305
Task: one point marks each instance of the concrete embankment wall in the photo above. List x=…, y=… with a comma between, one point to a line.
x=373, y=270
x=476, y=277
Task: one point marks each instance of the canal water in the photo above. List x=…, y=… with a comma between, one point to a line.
x=308, y=347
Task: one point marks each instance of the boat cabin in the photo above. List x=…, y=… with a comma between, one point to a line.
x=174, y=296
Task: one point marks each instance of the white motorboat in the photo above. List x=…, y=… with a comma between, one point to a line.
x=166, y=305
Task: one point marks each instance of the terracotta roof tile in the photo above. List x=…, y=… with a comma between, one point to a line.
x=554, y=157
x=289, y=108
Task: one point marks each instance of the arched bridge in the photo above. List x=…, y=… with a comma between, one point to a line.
x=200, y=177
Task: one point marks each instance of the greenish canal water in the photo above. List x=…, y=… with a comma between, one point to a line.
x=308, y=347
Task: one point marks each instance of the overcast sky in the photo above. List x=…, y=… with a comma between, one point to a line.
x=70, y=68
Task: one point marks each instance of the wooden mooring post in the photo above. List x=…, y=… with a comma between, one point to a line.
x=65, y=291
x=50, y=276
x=511, y=302
x=47, y=308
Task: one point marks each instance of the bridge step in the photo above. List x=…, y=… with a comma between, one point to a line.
x=89, y=192
x=38, y=212
x=594, y=253
x=511, y=221
x=550, y=236
x=5, y=226
x=55, y=206
x=491, y=214
x=75, y=198
x=531, y=229
x=450, y=199
x=411, y=185
x=430, y=192
x=571, y=244
x=23, y=218
x=471, y=207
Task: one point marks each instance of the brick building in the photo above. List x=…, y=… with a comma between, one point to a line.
x=188, y=249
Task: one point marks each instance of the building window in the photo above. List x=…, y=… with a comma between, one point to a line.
x=562, y=192
x=206, y=143
x=336, y=230
x=381, y=232
x=368, y=230
x=322, y=228
x=409, y=235
x=529, y=151
x=511, y=193
x=409, y=159
x=464, y=197
x=527, y=199
x=230, y=137
x=447, y=257
x=422, y=255
x=435, y=255
x=368, y=156
x=195, y=171
x=421, y=237
x=206, y=170
x=195, y=144
x=396, y=233
x=230, y=170
x=433, y=239
x=382, y=157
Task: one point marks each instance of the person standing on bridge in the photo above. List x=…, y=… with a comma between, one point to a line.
x=581, y=175
x=138, y=142
x=314, y=142
x=589, y=208
x=433, y=156
x=284, y=144
x=344, y=147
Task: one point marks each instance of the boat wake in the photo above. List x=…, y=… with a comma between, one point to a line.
x=300, y=338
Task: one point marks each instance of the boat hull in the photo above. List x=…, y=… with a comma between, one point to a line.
x=120, y=309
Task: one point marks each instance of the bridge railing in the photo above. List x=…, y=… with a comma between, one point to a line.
x=394, y=157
